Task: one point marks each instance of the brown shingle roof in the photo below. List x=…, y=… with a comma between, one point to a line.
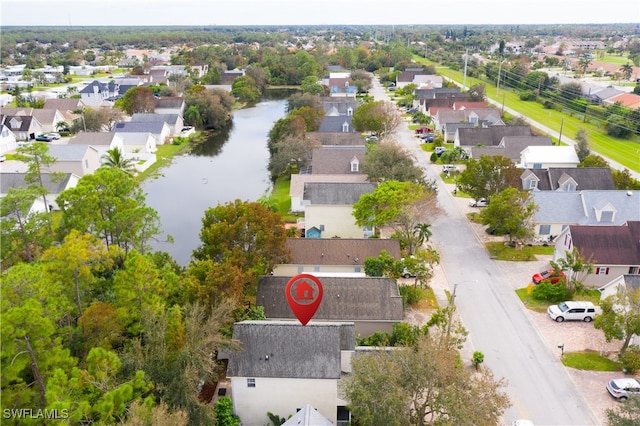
x=608, y=245
x=339, y=251
x=344, y=299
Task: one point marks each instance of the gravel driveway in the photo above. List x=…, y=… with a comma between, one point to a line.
x=575, y=336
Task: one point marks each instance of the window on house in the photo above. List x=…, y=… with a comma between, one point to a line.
x=354, y=166
x=602, y=270
x=345, y=127
x=569, y=187
x=634, y=270
x=350, y=111
x=357, y=269
x=537, y=165
x=316, y=269
x=606, y=216
x=545, y=229
x=532, y=184
x=86, y=164
x=300, y=269
x=251, y=383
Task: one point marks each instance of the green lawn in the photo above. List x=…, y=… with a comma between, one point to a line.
x=535, y=305
x=590, y=360
x=625, y=152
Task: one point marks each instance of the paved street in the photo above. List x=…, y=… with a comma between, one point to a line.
x=538, y=384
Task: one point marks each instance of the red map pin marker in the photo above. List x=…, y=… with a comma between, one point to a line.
x=304, y=294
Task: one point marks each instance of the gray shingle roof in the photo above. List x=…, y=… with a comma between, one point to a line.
x=93, y=138
x=511, y=146
x=140, y=127
x=295, y=351
x=91, y=87
x=336, y=124
x=431, y=93
x=490, y=136
x=16, y=180
x=339, y=251
x=154, y=118
x=341, y=106
x=580, y=207
x=68, y=152
x=63, y=104
x=344, y=299
x=339, y=194
x=587, y=178
x=336, y=160
x=169, y=102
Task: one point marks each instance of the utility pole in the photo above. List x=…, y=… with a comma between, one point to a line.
x=561, y=126
x=499, y=72
x=464, y=80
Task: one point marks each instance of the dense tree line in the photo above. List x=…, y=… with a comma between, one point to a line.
x=97, y=325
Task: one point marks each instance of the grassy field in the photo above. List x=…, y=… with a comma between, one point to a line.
x=616, y=59
x=625, y=152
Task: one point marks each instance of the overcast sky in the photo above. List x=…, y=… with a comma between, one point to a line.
x=315, y=12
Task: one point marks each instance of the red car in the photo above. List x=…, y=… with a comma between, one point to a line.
x=549, y=275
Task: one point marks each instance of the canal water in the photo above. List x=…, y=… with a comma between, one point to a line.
x=228, y=166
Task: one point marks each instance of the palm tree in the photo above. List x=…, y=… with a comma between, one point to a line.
x=627, y=70
x=114, y=158
x=423, y=233
x=584, y=63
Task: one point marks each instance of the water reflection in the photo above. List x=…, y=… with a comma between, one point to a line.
x=229, y=165
x=210, y=143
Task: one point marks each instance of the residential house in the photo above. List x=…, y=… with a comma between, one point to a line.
x=371, y=303
x=126, y=83
x=629, y=282
x=66, y=106
x=170, y=105
x=340, y=85
x=509, y=147
x=628, y=100
x=175, y=121
x=108, y=140
x=96, y=94
x=329, y=209
x=612, y=250
x=138, y=142
x=337, y=160
x=559, y=209
x=340, y=256
x=567, y=179
x=474, y=116
x=282, y=366
x=333, y=107
x=77, y=159
x=101, y=141
x=159, y=130
x=489, y=136
x=600, y=95
x=24, y=127
x=545, y=157
x=7, y=139
x=296, y=187
x=337, y=124
x=229, y=76
x=48, y=119
x=53, y=187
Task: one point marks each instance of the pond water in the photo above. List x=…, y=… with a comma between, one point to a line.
x=228, y=166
